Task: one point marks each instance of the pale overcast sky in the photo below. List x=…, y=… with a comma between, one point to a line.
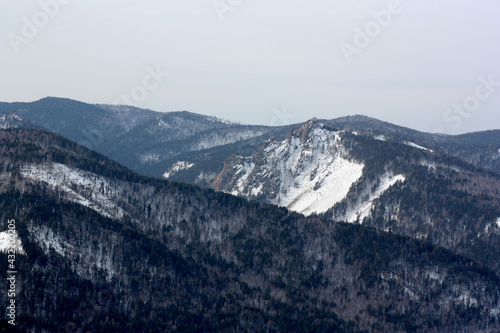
x=427, y=64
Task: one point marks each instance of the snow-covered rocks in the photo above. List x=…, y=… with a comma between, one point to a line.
x=176, y=167
x=308, y=172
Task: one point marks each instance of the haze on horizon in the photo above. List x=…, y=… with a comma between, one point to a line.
x=428, y=65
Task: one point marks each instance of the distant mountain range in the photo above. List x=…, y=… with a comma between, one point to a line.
x=137, y=137
x=405, y=195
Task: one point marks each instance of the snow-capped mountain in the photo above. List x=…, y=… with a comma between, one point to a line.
x=308, y=172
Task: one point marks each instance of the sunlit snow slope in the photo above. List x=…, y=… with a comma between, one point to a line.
x=363, y=209
x=308, y=172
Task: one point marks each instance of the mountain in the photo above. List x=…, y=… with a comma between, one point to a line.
x=351, y=177
x=480, y=148
x=86, y=124
x=143, y=140
x=157, y=140
x=138, y=137
x=109, y=250
x=306, y=172
x=393, y=186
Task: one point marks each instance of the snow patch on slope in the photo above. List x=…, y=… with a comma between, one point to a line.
x=308, y=172
x=243, y=172
x=362, y=210
x=176, y=167
x=412, y=144
x=430, y=165
x=330, y=185
x=205, y=177
x=163, y=124
x=11, y=241
x=74, y=182
x=314, y=176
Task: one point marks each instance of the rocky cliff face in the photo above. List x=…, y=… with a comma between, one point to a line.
x=307, y=172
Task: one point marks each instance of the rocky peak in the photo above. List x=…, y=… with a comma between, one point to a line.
x=303, y=131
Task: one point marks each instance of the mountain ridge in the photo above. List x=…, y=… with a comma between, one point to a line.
x=210, y=261
x=348, y=176
x=198, y=149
